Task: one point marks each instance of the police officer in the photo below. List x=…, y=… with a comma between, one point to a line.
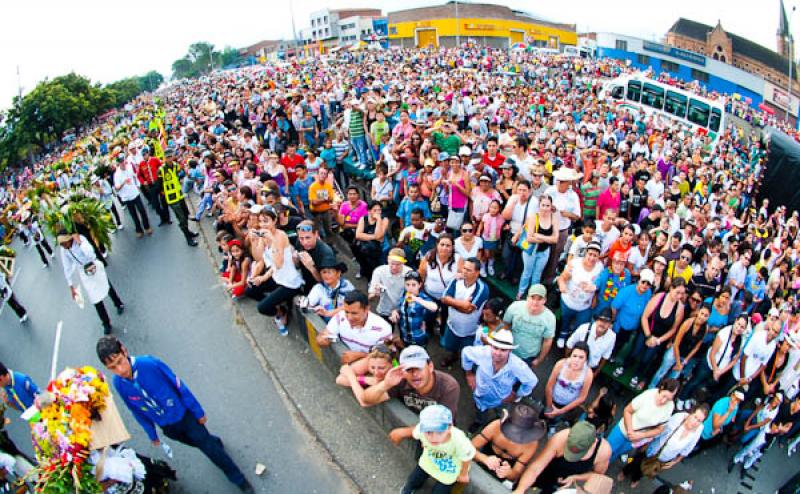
x=169, y=177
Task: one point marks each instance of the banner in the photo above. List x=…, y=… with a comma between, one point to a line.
x=778, y=96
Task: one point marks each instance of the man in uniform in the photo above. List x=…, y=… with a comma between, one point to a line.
x=168, y=176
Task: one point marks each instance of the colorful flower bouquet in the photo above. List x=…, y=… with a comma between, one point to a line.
x=63, y=433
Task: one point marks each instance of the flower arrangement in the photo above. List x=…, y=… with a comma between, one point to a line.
x=62, y=435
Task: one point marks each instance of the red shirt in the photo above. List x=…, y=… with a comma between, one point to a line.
x=494, y=162
x=289, y=162
x=148, y=171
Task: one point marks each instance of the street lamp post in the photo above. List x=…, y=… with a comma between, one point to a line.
x=458, y=27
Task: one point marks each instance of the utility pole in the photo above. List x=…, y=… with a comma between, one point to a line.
x=458, y=27
x=294, y=31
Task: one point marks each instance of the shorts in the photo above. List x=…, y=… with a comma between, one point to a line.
x=490, y=244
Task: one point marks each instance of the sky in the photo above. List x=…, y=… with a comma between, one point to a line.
x=110, y=40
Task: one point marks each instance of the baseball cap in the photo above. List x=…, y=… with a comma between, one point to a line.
x=414, y=356
x=537, y=290
x=774, y=312
x=464, y=151
x=661, y=260
x=605, y=315
x=581, y=437
x=594, y=245
x=485, y=177
x=435, y=418
x=647, y=275
x=443, y=156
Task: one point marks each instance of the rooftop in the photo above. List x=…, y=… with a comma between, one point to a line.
x=476, y=10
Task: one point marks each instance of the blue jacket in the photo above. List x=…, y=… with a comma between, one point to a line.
x=155, y=395
x=21, y=391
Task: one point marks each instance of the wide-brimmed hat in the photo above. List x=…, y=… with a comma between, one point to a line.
x=565, y=174
x=523, y=424
x=330, y=262
x=502, y=339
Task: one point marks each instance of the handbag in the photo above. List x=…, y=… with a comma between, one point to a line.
x=455, y=218
x=522, y=242
x=436, y=202
x=652, y=466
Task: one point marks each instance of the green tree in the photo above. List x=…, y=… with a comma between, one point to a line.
x=230, y=57
x=199, y=60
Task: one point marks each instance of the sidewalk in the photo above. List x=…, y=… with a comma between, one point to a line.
x=352, y=439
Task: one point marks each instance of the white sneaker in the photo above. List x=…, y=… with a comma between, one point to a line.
x=121, y=227
x=634, y=381
x=619, y=371
x=358, y=276
x=679, y=405
x=23, y=319
x=483, y=271
x=490, y=269
x=45, y=266
x=52, y=254
x=561, y=342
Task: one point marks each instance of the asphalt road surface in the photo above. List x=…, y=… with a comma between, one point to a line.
x=177, y=311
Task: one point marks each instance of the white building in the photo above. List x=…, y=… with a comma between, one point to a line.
x=353, y=29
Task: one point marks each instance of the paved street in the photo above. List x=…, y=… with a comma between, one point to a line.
x=175, y=310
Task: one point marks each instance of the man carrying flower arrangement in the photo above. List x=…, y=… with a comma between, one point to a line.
x=156, y=396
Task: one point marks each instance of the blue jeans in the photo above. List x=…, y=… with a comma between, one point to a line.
x=618, y=442
x=454, y=343
x=189, y=432
x=571, y=319
x=533, y=265
x=206, y=202
x=667, y=363
x=644, y=355
x=362, y=150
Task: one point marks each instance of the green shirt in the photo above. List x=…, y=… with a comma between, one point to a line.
x=443, y=461
x=378, y=129
x=449, y=144
x=529, y=330
x=356, y=124
x=590, y=194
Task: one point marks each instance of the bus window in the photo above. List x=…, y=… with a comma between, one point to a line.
x=716, y=119
x=698, y=113
x=618, y=92
x=675, y=104
x=634, y=91
x=653, y=95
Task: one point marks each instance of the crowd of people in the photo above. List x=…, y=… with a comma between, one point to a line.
x=635, y=253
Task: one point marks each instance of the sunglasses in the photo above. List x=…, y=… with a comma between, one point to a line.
x=696, y=300
x=466, y=230
x=538, y=174
x=305, y=228
x=686, y=258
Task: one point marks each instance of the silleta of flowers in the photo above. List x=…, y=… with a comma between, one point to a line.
x=63, y=434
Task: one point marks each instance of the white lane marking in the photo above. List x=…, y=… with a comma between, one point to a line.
x=56, y=347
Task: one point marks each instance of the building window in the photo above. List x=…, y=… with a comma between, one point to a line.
x=325, y=19
x=327, y=32
x=699, y=75
x=642, y=59
x=669, y=67
x=393, y=30
x=621, y=45
x=312, y=23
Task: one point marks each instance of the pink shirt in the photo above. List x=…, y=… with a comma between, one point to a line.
x=352, y=215
x=607, y=201
x=492, y=227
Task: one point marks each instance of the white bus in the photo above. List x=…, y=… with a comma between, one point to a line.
x=701, y=115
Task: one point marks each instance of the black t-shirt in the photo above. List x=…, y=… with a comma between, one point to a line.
x=318, y=253
x=445, y=391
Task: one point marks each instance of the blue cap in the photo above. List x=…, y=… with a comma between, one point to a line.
x=435, y=418
x=443, y=156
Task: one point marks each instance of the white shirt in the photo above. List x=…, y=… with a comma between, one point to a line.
x=758, y=352
x=725, y=351
x=655, y=189
x=568, y=201
x=606, y=238
x=581, y=287
x=362, y=339
x=599, y=348
x=391, y=286
x=461, y=251
x=677, y=444
x=127, y=191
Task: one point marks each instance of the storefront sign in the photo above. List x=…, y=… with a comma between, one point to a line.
x=678, y=53
x=777, y=96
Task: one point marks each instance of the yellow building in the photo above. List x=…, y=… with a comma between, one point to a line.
x=491, y=25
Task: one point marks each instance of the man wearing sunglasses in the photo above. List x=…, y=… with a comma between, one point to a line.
x=311, y=250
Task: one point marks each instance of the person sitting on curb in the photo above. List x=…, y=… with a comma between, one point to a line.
x=568, y=455
x=500, y=378
x=326, y=298
x=507, y=445
x=416, y=383
x=359, y=328
x=446, y=451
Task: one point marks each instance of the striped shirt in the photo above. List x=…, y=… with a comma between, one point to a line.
x=356, y=124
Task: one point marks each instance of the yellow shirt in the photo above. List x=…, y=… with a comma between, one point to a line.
x=320, y=192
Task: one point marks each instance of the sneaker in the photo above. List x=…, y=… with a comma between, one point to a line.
x=688, y=404
x=483, y=271
x=24, y=318
x=358, y=276
x=246, y=487
x=149, y=231
x=194, y=219
x=679, y=404
x=490, y=269
x=634, y=382
x=120, y=227
x=619, y=371
x=52, y=254
x=561, y=342
x=45, y=266
x=106, y=329
x=120, y=309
